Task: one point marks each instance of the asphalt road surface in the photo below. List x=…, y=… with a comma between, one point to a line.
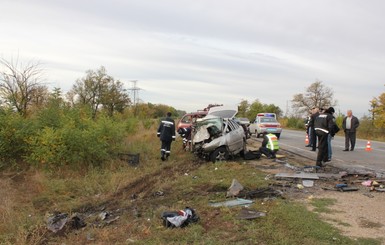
x=294, y=141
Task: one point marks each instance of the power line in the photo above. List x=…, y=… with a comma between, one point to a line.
x=135, y=91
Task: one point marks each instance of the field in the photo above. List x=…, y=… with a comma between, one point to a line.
x=121, y=203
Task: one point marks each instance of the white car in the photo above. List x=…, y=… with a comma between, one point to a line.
x=218, y=136
x=266, y=122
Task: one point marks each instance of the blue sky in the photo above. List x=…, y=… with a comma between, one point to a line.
x=188, y=54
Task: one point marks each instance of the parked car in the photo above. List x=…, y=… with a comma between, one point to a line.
x=266, y=122
x=218, y=136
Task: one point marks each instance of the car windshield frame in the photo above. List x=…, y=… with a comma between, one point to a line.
x=213, y=121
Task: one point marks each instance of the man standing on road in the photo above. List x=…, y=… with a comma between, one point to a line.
x=350, y=125
x=313, y=136
x=323, y=125
x=166, y=133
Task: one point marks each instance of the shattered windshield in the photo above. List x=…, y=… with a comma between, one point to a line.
x=212, y=123
x=209, y=127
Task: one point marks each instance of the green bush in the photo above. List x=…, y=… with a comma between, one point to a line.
x=14, y=134
x=78, y=142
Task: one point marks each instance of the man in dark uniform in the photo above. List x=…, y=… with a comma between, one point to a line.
x=323, y=125
x=313, y=136
x=166, y=133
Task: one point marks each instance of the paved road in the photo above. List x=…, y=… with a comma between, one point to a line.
x=294, y=141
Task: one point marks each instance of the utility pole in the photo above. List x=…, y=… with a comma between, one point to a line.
x=135, y=92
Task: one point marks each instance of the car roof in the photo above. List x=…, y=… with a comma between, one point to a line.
x=223, y=112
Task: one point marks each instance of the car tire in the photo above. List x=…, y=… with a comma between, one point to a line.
x=220, y=154
x=278, y=135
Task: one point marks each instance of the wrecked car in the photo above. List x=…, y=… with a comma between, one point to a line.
x=218, y=136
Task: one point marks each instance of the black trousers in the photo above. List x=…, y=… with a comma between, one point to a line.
x=165, y=149
x=350, y=137
x=313, y=139
x=267, y=152
x=322, y=146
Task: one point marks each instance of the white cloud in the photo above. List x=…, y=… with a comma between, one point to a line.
x=191, y=53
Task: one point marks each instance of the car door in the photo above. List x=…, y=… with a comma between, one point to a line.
x=234, y=136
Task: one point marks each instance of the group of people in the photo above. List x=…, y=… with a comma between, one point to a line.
x=166, y=133
x=321, y=127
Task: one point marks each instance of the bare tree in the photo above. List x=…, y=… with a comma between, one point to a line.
x=317, y=94
x=20, y=84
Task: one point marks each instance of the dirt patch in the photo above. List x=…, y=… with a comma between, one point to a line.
x=356, y=213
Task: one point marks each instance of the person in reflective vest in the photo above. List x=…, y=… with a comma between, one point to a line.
x=269, y=145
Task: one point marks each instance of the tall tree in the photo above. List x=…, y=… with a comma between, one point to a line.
x=317, y=94
x=257, y=107
x=242, y=108
x=20, y=84
x=379, y=111
x=115, y=98
x=97, y=89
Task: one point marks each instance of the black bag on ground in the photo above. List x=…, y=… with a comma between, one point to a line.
x=251, y=155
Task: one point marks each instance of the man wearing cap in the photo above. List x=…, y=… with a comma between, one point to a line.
x=350, y=125
x=313, y=136
x=323, y=126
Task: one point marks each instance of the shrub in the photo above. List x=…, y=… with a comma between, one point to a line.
x=14, y=133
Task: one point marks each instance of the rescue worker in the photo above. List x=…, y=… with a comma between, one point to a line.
x=269, y=145
x=166, y=133
x=323, y=126
x=313, y=136
x=186, y=136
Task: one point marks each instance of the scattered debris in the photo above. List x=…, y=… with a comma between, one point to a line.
x=231, y=203
x=267, y=192
x=181, y=218
x=56, y=222
x=348, y=188
x=249, y=214
x=132, y=159
x=234, y=189
x=308, y=183
x=297, y=175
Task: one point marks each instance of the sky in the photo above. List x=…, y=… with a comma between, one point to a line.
x=188, y=54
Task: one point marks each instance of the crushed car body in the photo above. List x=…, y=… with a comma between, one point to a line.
x=218, y=136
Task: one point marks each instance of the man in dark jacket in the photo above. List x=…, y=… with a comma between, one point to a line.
x=323, y=125
x=313, y=136
x=350, y=125
x=166, y=133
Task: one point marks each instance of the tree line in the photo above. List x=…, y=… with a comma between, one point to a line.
x=88, y=124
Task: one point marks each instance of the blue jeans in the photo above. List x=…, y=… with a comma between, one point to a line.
x=330, y=147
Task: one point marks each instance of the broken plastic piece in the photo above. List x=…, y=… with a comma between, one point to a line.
x=250, y=214
x=238, y=201
x=234, y=189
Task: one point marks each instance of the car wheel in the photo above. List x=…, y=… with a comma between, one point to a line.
x=220, y=154
x=278, y=135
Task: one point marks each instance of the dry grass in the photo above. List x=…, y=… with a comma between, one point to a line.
x=138, y=195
